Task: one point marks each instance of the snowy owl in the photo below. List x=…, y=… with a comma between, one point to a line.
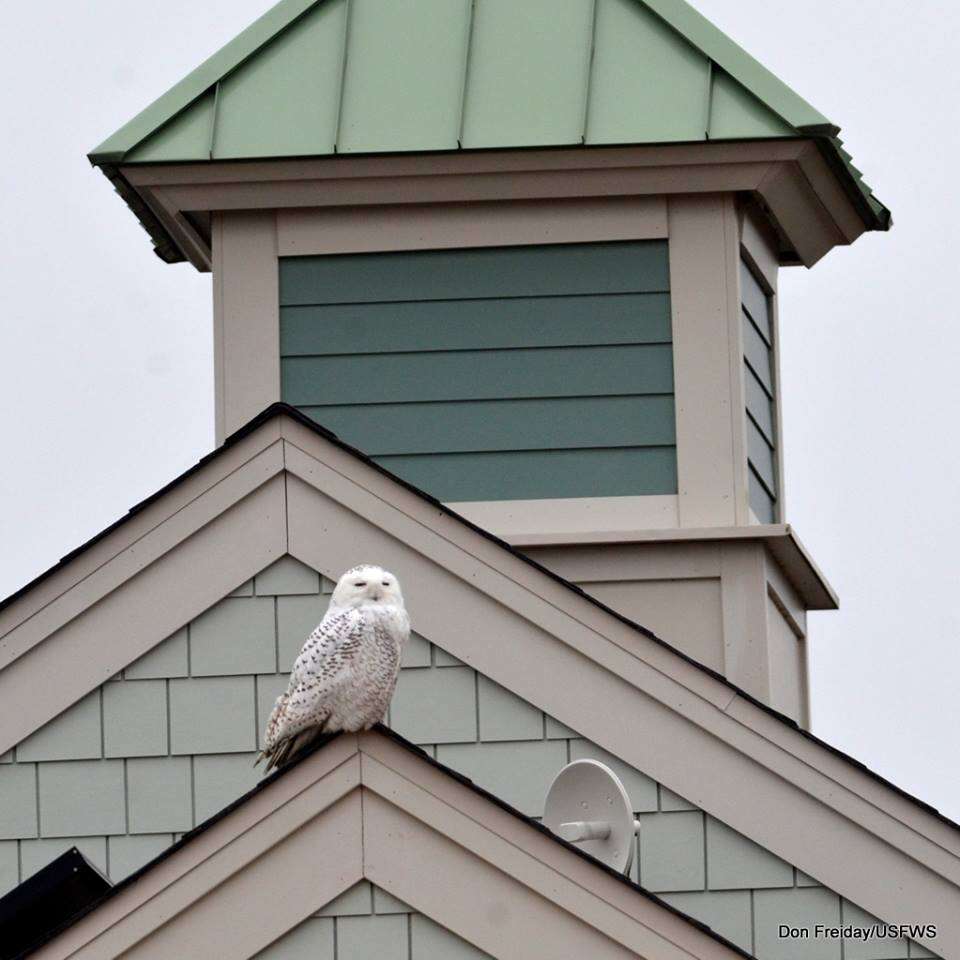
x=347, y=670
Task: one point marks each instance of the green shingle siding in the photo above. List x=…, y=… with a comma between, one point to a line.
x=759, y=376
x=491, y=374
x=122, y=811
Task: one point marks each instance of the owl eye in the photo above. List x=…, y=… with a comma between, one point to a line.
x=386, y=583
x=360, y=583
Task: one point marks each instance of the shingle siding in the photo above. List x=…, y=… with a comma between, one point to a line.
x=130, y=800
x=491, y=374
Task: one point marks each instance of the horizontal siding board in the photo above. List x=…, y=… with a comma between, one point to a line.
x=531, y=475
x=759, y=405
x=634, y=267
x=576, y=422
x=757, y=354
x=475, y=324
x=762, y=504
x=761, y=456
x=755, y=302
x=478, y=375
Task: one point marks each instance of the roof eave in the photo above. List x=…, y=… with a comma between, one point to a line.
x=164, y=244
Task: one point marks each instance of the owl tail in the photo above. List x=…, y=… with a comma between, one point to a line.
x=289, y=749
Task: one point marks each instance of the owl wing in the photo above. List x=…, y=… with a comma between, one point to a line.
x=324, y=666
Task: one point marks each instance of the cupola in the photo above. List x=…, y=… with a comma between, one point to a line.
x=524, y=255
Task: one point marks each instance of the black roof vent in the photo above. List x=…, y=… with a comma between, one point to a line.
x=47, y=902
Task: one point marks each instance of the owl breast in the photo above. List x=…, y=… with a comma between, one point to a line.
x=375, y=664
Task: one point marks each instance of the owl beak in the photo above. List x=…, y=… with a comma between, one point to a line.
x=376, y=598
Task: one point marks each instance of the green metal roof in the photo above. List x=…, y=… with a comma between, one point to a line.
x=318, y=77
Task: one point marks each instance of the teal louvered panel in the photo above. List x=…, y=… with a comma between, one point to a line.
x=756, y=303
x=762, y=457
x=757, y=353
x=760, y=405
x=762, y=504
x=502, y=373
x=562, y=270
x=759, y=373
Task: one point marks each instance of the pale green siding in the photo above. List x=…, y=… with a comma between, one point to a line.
x=195, y=756
x=491, y=374
x=759, y=374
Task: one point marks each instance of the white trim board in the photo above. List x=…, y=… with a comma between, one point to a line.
x=792, y=177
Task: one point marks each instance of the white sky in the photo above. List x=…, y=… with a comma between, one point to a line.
x=106, y=353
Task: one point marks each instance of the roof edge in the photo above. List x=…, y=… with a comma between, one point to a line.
x=711, y=41
x=199, y=80
x=164, y=245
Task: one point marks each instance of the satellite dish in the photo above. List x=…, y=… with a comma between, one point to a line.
x=587, y=805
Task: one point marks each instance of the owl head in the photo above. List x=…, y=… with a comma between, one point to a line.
x=367, y=583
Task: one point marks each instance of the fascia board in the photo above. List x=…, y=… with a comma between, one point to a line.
x=781, y=539
x=92, y=632
x=140, y=520
x=811, y=209
x=137, y=554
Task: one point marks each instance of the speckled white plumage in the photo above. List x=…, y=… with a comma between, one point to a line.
x=347, y=670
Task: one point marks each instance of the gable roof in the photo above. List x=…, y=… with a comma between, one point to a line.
x=422, y=832
x=284, y=485
x=461, y=76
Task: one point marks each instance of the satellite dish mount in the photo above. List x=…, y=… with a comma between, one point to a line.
x=588, y=805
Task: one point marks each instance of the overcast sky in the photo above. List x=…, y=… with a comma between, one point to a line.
x=106, y=371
